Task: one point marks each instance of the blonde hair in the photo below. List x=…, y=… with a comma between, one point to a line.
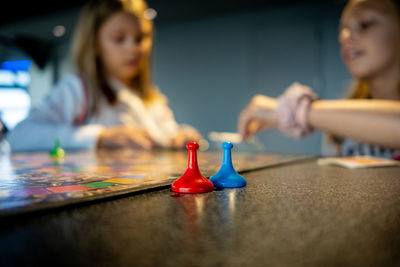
x=84, y=55
x=360, y=88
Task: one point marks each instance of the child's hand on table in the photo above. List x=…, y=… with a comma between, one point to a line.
x=184, y=135
x=125, y=137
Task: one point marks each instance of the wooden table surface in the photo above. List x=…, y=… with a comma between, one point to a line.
x=298, y=214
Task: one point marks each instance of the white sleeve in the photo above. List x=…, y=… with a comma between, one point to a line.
x=54, y=118
x=165, y=118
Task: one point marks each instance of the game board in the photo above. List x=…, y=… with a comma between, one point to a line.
x=32, y=181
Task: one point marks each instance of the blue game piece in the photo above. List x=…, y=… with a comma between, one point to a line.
x=227, y=176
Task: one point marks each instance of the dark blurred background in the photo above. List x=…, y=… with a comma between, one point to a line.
x=210, y=57
x=168, y=9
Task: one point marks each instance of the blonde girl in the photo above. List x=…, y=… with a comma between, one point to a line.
x=369, y=122
x=111, y=102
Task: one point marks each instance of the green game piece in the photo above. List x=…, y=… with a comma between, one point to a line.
x=57, y=153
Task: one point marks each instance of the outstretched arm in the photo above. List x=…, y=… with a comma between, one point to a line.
x=370, y=121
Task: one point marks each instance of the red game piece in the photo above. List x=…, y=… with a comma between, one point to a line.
x=192, y=181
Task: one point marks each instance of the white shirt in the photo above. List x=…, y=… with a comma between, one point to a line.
x=55, y=117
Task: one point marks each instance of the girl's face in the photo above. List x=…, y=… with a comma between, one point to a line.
x=369, y=40
x=120, y=46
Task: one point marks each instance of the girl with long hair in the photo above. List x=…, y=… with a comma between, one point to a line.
x=111, y=101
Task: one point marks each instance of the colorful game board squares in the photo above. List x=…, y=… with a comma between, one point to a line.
x=29, y=192
x=68, y=174
x=67, y=188
x=101, y=184
x=135, y=176
x=121, y=181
